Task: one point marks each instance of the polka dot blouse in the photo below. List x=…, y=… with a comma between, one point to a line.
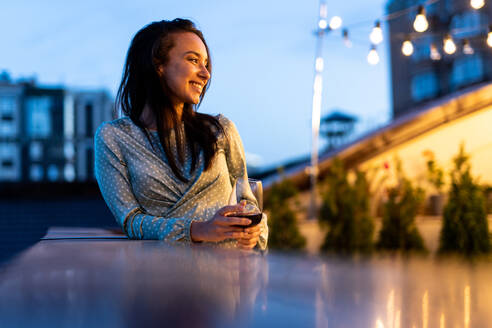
x=144, y=195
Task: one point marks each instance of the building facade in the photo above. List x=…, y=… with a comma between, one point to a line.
x=429, y=72
x=46, y=133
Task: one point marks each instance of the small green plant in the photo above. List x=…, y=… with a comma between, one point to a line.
x=345, y=212
x=435, y=174
x=399, y=231
x=465, y=227
x=282, y=220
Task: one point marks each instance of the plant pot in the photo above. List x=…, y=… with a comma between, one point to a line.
x=436, y=204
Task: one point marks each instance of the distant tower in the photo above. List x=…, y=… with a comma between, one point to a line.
x=419, y=78
x=336, y=127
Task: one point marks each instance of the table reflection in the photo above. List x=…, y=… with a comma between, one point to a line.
x=153, y=284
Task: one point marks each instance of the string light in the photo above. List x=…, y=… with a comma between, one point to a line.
x=346, y=40
x=376, y=35
x=373, y=57
x=489, y=37
x=477, y=4
x=467, y=48
x=434, y=53
x=420, y=24
x=335, y=22
x=407, y=48
x=449, y=45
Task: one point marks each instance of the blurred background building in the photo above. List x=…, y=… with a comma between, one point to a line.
x=46, y=133
x=430, y=72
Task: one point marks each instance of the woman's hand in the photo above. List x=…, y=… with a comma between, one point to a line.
x=250, y=238
x=221, y=226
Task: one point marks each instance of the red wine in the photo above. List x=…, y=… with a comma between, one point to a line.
x=255, y=219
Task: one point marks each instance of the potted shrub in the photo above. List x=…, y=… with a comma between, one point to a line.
x=465, y=227
x=282, y=220
x=399, y=230
x=435, y=177
x=345, y=212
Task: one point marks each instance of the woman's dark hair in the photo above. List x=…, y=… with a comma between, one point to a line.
x=141, y=85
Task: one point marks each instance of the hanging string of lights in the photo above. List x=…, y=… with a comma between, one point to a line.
x=420, y=25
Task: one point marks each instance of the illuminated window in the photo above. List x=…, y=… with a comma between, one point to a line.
x=424, y=86
x=35, y=150
x=36, y=172
x=53, y=172
x=39, y=117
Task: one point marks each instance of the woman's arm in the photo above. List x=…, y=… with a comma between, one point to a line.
x=114, y=183
x=236, y=164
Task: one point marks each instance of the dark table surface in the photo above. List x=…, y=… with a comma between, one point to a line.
x=99, y=279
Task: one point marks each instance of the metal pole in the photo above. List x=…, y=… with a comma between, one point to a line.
x=316, y=110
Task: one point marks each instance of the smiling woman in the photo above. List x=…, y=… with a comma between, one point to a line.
x=165, y=170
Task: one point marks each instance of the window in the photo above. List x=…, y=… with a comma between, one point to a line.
x=424, y=86
x=69, y=172
x=7, y=115
x=53, y=172
x=466, y=70
x=69, y=150
x=39, y=116
x=36, y=172
x=35, y=150
x=468, y=24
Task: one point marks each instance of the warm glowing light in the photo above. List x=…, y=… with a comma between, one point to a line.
x=376, y=35
x=442, y=321
x=425, y=310
x=407, y=48
x=335, y=22
x=379, y=323
x=466, y=312
x=322, y=24
x=390, y=309
x=318, y=84
x=346, y=39
x=319, y=64
x=449, y=45
x=397, y=319
x=467, y=48
x=373, y=57
x=420, y=24
x=489, y=37
x=434, y=53
x=477, y=4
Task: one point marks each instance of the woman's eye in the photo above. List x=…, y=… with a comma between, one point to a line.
x=193, y=60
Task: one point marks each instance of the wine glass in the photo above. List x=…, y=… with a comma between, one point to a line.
x=242, y=190
x=257, y=189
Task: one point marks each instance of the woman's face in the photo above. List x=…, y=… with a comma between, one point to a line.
x=185, y=72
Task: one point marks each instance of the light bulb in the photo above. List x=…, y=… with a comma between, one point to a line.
x=335, y=22
x=322, y=24
x=407, y=48
x=373, y=57
x=467, y=48
x=376, y=35
x=346, y=39
x=420, y=24
x=489, y=37
x=477, y=4
x=434, y=53
x=449, y=46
